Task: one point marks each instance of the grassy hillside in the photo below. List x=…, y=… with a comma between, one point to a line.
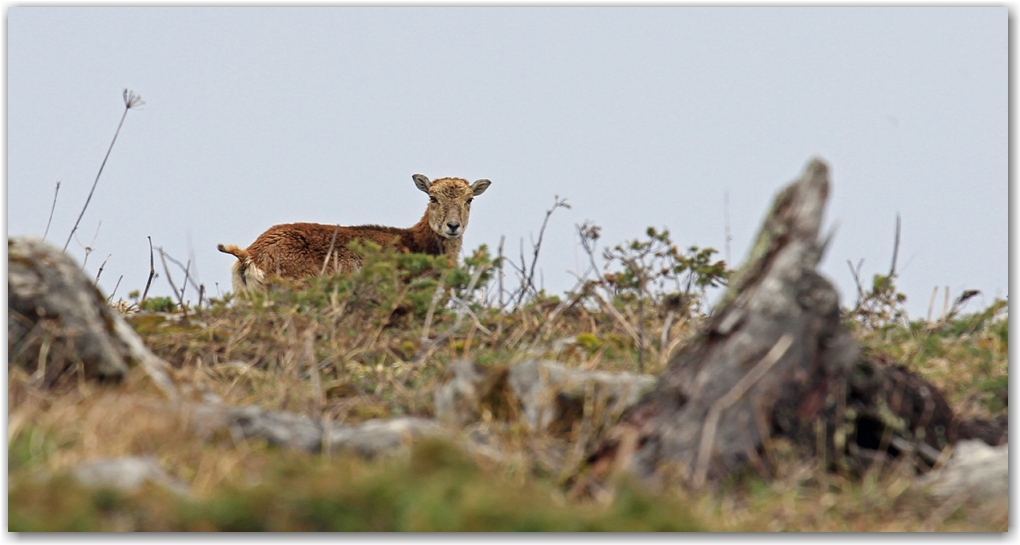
x=375, y=344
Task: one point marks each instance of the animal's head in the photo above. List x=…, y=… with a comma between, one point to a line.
x=449, y=202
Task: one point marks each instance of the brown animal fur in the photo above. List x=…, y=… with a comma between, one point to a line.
x=298, y=250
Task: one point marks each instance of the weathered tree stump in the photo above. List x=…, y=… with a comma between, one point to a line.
x=774, y=360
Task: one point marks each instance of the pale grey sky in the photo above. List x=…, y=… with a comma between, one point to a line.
x=637, y=116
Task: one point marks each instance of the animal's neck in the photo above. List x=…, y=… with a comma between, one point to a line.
x=427, y=241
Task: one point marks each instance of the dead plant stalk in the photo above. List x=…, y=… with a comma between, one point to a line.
x=131, y=100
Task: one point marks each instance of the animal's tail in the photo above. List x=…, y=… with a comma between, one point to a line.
x=233, y=250
x=244, y=274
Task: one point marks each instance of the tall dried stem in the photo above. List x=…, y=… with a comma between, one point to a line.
x=52, y=207
x=131, y=100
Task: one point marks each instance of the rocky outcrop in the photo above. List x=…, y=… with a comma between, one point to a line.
x=57, y=320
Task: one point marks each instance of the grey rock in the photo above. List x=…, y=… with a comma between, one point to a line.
x=547, y=391
x=52, y=306
x=57, y=318
x=369, y=439
x=127, y=474
x=458, y=398
x=976, y=470
x=550, y=395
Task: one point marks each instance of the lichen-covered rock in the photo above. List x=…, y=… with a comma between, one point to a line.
x=57, y=320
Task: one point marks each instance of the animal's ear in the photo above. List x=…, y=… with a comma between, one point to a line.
x=422, y=181
x=480, y=186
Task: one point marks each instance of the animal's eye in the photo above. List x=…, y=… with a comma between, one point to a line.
x=433, y=200
x=469, y=201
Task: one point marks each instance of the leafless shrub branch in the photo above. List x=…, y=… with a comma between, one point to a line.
x=180, y=300
x=188, y=278
x=528, y=279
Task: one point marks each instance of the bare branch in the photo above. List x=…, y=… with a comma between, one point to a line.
x=186, y=268
x=541, y=232
x=162, y=257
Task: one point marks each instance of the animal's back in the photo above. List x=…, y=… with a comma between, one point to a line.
x=296, y=250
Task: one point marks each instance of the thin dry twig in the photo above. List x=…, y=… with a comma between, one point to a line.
x=499, y=263
x=162, y=257
x=664, y=338
x=856, y=273
x=114, y=292
x=187, y=276
x=548, y=322
x=529, y=280
x=432, y=306
x=896, y=248
x=943, y=511
x=736, y=392
x=98, y=274
x=945, y=306
x=315, y=384
x=325, y=261
x=52, y=208
x=608, y=306
x=131, y=100
x=931, y=304
x=152, y=273
x=726, y=215
x=428, y=345
x=92, y=244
